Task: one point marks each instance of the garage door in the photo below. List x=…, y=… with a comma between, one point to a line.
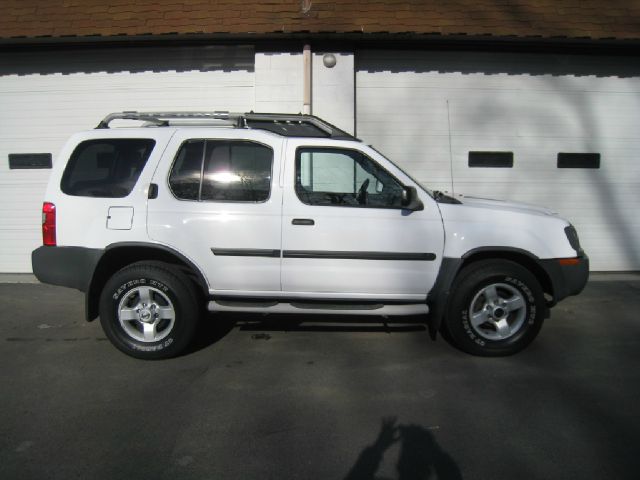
x=516, y=114
x=45, y=97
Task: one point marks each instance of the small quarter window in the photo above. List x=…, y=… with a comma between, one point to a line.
x=222, y=170
x=107, y=168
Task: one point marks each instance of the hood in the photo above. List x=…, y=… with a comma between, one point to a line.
x=505, y=205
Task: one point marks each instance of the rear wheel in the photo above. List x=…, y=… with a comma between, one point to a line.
x=497, y=308
x=149, y=310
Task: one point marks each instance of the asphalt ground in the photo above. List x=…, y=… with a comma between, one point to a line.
x=291, y=397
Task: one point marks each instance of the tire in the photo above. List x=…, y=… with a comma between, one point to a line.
x=496, y=308
x=149, y=310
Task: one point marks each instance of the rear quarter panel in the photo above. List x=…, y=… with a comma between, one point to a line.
x=82, y=221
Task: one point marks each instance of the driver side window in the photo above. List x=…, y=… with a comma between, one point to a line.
x=347, y=178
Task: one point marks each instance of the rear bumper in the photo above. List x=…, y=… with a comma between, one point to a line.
x=71, y=267
x=568, y=276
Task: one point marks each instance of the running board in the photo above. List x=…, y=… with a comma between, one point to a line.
x=325, y=308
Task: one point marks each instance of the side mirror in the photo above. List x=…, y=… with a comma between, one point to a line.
x=410, y=199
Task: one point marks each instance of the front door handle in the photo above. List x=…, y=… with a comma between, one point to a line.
x=302, y=221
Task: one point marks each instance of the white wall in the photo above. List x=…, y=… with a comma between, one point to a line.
x=278, y=82
x=333, y=90
x=45, y=97
x=532, y=105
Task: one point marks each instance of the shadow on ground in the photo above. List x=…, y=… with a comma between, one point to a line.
x=214, y=327
x=420, y=458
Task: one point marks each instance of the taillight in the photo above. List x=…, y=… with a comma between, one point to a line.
x=48, y=224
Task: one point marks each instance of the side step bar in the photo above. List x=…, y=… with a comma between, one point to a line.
x=220, y=305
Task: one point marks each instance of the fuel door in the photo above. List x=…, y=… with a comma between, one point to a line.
x=120, y=218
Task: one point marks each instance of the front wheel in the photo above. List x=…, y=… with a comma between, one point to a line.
x=497, y=308
x=149, y=310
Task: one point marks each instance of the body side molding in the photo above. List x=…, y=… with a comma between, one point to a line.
x=342, y=255
x=323, y=254
x=245, y=252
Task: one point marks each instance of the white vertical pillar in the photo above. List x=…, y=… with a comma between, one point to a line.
x=333, y=88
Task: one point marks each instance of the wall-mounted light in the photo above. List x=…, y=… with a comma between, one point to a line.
x=329, y=60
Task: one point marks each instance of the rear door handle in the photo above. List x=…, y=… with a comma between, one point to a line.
x=153, y=191
x=302, y=221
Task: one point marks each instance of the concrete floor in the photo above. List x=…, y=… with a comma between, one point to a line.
x=285, y=399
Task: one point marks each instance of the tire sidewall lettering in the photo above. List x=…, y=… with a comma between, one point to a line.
x=127, y=286
x=152, y=348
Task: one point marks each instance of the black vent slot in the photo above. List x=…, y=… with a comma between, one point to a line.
x=25, y=161
x=578, y=160
x=491, y=159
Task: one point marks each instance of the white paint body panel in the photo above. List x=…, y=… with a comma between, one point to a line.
x=120, y=218
x=359, y=229
x=532, y=105
x=83, y=221
x=194, y=228
x=483, y=223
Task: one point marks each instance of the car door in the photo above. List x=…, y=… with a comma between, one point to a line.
x=218, y=204
x=345, y=233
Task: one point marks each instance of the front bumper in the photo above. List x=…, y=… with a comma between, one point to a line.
x=568, y=275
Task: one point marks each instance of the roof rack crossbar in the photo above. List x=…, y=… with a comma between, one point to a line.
x=238, y=120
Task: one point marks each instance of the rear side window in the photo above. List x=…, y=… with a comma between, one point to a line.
x=222, y=170
x=107, y=168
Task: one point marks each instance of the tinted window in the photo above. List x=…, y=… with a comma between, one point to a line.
x=106, y=168
x=187, y=169
x=220, y=170
x=335, y=177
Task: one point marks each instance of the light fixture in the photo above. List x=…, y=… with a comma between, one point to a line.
x=329, y=60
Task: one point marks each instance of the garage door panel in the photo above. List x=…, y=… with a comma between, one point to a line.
x=547, y=115
x=428, y=110
x=47, y=97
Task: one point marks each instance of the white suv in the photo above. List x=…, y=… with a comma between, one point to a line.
x=287, y=214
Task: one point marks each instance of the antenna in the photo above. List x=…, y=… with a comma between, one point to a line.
x=450, y=149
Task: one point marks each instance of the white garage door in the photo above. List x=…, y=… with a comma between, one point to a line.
x=45, y=97
x=428, y=110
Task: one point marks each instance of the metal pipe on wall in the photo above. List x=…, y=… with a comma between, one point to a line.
x=306, y=61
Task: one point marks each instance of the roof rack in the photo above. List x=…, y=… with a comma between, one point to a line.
x=289, y=125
